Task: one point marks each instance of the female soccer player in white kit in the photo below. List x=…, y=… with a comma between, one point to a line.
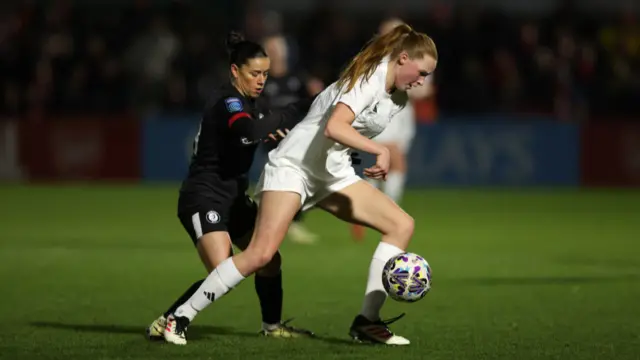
x=397, y=137
x=312, y=166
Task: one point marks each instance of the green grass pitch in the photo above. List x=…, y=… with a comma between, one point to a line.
x=518, y=274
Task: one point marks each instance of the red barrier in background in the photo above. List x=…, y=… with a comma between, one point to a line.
x=81, y=148
x=610, y=154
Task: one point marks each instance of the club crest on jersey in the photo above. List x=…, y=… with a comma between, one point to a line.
x=233, y=104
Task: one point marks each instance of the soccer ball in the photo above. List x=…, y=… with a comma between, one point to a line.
x=407, y=277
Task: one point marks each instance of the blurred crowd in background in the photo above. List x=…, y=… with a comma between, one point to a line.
x=67, y=58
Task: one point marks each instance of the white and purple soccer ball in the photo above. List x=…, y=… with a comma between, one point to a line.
x=407, y=277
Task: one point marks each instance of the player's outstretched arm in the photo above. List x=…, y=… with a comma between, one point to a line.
x=245, y=126
x=294, y=113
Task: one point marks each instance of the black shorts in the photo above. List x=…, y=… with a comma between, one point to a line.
x=201, y=215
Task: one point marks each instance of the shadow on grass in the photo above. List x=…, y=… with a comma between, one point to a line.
x=543, y=280
x=195, y=333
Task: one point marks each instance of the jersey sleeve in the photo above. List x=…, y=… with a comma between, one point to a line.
x=231, y=111
x=362, y=95
x=242, y=124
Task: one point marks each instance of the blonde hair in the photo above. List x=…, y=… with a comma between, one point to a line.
x=389, y=24
x=401, y=38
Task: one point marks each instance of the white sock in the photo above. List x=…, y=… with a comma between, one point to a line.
x=375, y=295
x=222, y=279
x=394, y=186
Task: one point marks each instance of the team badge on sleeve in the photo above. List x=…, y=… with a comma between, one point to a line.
x=233, y=104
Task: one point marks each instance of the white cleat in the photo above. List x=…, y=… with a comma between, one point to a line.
x=365, y=330
x=397, y=340
x=176, y=330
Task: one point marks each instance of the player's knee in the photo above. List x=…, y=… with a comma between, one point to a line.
x=403, y=229
x=273, y=266
x=264, y=258
x=260, y=256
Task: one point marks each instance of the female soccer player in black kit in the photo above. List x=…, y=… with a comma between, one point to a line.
x=213, y=206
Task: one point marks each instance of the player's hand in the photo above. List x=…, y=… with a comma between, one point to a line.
x=381, y=168
x=280, y=133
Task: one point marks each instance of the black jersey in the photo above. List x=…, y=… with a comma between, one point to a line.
x=231, y=128
x=282, y=91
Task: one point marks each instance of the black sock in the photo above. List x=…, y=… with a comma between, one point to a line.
x=269, y=289
x=182, y=299
x=298, y=217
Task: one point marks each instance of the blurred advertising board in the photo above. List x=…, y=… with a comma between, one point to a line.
x=485, y=153
x=80, y=148
x=474, y=152
x=167, y=143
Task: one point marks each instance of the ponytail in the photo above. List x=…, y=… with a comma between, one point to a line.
x=401, y=38
x=241, y=50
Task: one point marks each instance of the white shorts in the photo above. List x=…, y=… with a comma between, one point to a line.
x=311, y=189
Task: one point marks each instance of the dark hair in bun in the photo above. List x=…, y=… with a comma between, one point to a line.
x=241, y=50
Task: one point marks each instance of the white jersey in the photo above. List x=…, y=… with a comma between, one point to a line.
x=401, y=129
x=309, y=151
